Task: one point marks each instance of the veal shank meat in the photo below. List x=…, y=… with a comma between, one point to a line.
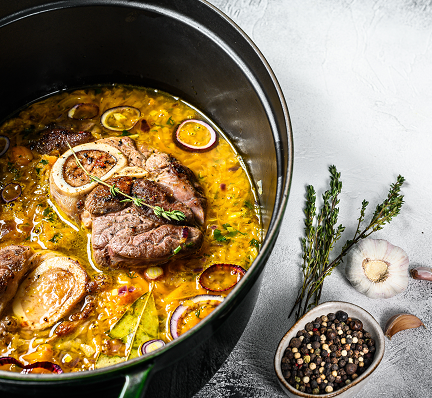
x=56, y=140
x=100, y=201
x=14, y=264
x=130, y=238
x=178, y=180
x=126, y=233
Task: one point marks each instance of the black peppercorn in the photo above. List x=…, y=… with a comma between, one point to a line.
x=309, y=327
x=285, y=366
x=315, y=338
x=331, y=316
x=307, y=372
x=342, y=316
x=350, y=368
x=331, y=334
x=315, y=345
x=356, y=324
x=295, y=342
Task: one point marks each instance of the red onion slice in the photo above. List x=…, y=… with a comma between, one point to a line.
x=120, y=118
x=52, y=367
x=221, y=277
x=10, y=361
x=182, y=310
x=122, y=290
x=83, y=111
x=6, y=144
x=197, y=145
x=11, y=192
x=151, y=345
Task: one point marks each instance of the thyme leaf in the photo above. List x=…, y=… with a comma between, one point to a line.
x=322, y=232
x=170, y=215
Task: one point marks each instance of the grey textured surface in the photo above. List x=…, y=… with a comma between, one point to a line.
x=357, y=78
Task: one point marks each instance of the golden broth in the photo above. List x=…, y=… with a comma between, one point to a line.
x=232, y=229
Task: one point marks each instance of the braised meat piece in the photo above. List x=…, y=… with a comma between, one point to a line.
x=154, y=194
x=124, y=234
x=129, y=238
x=76, y=319
x=100, y=201
x=55, y=140
x=127, y=147
x=14, y=264
x=179, y=181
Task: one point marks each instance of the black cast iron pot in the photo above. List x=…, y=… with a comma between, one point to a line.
x=191, y=50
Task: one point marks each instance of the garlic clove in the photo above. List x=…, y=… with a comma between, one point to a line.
x=422, y=273
x=377, y=268
x=401, y=322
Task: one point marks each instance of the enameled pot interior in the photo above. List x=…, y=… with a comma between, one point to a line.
x=185, y=53
x=188, y=50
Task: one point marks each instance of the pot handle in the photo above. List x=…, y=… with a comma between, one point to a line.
x=135, y=383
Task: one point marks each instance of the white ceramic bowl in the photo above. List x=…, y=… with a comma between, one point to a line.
x=353, y=311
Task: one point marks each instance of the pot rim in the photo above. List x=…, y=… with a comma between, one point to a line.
x=281, y=197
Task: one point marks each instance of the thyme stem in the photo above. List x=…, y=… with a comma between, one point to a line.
x=170, y=215
x=321, y=234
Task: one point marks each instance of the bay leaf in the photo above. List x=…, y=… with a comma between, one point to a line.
x=148, y=328
x=138, y=324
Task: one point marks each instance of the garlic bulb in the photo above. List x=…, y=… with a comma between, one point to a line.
x=377, y=269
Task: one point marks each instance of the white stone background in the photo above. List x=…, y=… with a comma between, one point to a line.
x=357, y=79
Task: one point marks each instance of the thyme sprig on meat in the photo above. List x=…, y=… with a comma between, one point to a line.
x=170, y=215
x=321, y=234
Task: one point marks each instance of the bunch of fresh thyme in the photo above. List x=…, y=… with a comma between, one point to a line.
x=170, y=215
x=321, y=234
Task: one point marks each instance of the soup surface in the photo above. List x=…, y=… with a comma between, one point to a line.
x=122, y=307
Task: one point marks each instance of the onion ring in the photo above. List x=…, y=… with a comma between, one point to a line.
x=221, y=277
x=83, y=111
x=151, y=345
x=196, y=146
x=6, y=145
x=11, y=192
x=182, y=310
x=52, y=367
x=115, y=119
